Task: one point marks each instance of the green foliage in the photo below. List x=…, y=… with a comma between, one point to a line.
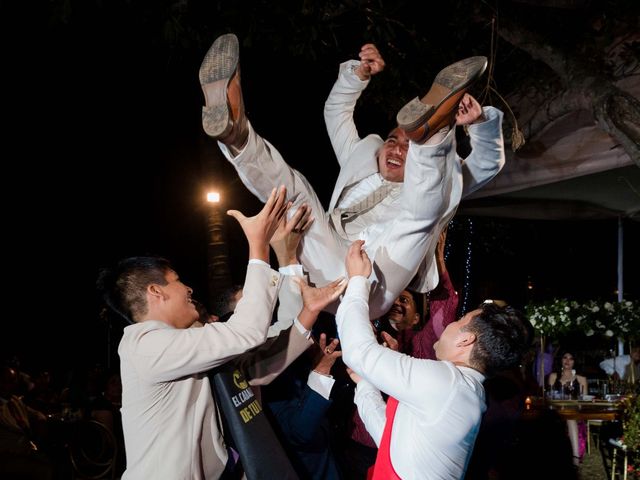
x=631, y=434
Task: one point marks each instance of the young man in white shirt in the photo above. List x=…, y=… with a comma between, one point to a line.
x=436, y=405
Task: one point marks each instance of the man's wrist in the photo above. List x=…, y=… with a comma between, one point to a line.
x=259, y=252
x=285, y=261
x=307, y=318
x=359, y=72
x=355, y=67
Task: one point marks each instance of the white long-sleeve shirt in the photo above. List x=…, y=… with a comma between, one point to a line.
x=440, y=404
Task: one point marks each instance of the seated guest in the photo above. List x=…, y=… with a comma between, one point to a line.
x=571, y=385
x=19, y=453
x=43, y=396
x=105, y=409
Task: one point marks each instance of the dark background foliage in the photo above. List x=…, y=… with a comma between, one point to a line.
x=106, y=157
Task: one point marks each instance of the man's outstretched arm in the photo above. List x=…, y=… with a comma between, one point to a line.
x=487, y=155
x=353, y=78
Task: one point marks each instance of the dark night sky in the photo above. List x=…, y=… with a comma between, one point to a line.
x=110, y=160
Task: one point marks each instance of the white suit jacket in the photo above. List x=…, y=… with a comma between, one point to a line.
x=358, y=156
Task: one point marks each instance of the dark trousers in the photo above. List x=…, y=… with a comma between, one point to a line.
x=356, y=459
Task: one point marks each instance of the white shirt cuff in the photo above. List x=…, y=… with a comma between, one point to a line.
x=348, y=68
x=295, y=270
x=306, y=333
x=257, y=261
x=320, y=384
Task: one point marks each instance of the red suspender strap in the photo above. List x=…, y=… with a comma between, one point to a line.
x=382, y=469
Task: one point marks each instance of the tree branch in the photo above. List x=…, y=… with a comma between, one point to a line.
x=616, y=112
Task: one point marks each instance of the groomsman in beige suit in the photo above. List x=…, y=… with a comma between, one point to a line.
x=395, y=194
x=169, y=416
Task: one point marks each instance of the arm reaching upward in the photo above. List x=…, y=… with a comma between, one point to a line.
x=371, y=62
x=286, y=239
x=260, y=228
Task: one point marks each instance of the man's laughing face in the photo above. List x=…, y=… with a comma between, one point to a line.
x=393, y=155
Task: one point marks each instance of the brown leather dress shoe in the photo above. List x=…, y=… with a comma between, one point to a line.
x=223, y=115
x=422, y=117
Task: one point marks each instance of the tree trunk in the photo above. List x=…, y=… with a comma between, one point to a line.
x=614, y=110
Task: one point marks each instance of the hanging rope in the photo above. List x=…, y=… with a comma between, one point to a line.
x=517, y=137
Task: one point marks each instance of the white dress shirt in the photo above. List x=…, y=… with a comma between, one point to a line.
x=440, y=404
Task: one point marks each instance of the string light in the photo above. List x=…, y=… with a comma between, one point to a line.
x=447, y=244
x=466, y=288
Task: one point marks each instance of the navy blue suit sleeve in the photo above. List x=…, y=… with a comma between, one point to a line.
x=300, y=417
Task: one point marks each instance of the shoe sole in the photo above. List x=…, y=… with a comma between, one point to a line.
x=218, y=67
x=445, y=93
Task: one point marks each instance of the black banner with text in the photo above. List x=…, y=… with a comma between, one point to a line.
x=261, y=454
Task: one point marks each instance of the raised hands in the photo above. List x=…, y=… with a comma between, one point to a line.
x=440, y=247
x=287, y=236
x=390, y=342
x=357, y=260
x=315, y=299
x=260, y=228
x=469, y=111
x=327, y=355
x=371, y=62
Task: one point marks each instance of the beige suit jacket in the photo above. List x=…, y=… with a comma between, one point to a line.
x=168, y=413
x=285, y=343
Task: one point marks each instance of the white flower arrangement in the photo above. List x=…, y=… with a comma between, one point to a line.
x=553, y=317
x=561, y=316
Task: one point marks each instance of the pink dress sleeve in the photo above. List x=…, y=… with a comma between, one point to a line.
x=443, y=305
